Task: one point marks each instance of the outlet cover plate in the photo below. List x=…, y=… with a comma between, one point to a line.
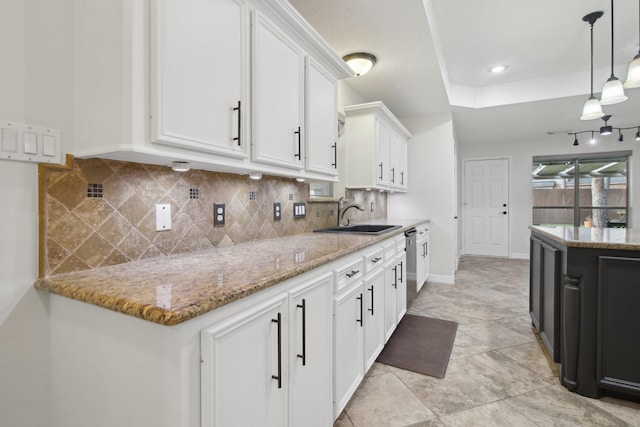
x=219, y=213
x=163, y=217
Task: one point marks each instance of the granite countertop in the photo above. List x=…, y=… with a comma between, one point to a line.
x=171, y=290
x=591, y=237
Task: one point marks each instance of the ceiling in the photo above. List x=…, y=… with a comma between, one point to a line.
x=434, y=56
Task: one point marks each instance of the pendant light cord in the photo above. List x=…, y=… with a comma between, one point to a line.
x=612, y=75
x=591, y=25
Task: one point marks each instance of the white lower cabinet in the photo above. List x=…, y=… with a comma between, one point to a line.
x=310, y=353
x=395, y=290
x=348, y=311
x=373, y=314
x=271, y=357
x=422, y=252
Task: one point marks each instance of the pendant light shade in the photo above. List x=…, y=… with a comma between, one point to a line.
x=633, y=75
x=592, y=108
x=612, y=92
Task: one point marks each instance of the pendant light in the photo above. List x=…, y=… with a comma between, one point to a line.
x=633, y=75
x=612, y=92
x=592, y=109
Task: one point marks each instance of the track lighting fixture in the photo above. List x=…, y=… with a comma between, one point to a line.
x=604, y=130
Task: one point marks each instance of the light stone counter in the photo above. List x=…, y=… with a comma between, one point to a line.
x=591, y=237
x=174, y=289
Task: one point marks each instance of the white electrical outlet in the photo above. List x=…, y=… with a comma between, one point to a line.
x=163, y=217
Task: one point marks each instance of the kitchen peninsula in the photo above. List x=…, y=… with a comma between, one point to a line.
x=584, y=295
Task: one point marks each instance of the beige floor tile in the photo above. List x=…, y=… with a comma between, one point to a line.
x=496, y=414
x=556, y=406
x=625, y=410
x=532, y=357
x=383, y=400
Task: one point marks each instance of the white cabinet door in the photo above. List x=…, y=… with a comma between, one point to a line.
x=348, y=345
x=401, y=180
x=373, y=317
x=401, y=289
x=422, y=265
x=383, y=164
x=243, y=383
x=310, y=353
x=200, y=67
x=278, y=96
x=321, y=121
x=391, y=276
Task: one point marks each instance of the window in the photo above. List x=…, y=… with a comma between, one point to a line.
x=588, y=190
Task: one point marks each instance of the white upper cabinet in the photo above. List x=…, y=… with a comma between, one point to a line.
x=278, y=96
x=200, y=84
x=321, y=120
x=376, y=148
x=218, y=83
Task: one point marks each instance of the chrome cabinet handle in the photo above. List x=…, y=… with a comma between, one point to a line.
x=380, y=165
x=303, y=356
x=279, y=376
x=401, y=268
x=239, y=110
x=393, y=175
x=395, y=278
x=401, y=177
x=360, y=319
x=353, y=273
x=371, y=309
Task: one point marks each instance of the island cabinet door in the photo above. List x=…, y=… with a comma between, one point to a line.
x=243, y=370
x=310, y=353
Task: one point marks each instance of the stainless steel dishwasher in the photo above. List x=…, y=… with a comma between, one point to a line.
x=412, y=262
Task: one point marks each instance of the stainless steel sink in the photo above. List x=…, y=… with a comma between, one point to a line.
x=360, y=229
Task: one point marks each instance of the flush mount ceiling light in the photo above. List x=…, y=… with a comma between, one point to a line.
x=180, y=166
x=255, y=175
x=612, y=92
x=300, y=179
x=497, y=69
x=592, y=109
x=633, y=74
x=360, y=62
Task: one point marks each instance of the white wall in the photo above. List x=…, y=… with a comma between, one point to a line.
x=432, y=189
x=520, y=195
x=36, y=88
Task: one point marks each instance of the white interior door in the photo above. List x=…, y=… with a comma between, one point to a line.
x=486, y=207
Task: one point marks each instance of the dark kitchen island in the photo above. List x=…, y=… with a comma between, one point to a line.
x=585, y=302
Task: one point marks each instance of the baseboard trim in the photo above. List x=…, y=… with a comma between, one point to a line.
x=520, y=255
x=438, y=278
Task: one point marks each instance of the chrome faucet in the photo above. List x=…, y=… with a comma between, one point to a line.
x=360, y=208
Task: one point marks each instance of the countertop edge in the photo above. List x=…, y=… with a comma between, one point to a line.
x=584, y=244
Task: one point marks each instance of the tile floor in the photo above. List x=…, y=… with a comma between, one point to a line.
x=498, y=374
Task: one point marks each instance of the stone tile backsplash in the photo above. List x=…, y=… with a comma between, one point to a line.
x=102, y=212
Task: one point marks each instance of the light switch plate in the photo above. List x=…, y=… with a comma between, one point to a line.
x=28, y=143
x=299, y=210
x=163, y=217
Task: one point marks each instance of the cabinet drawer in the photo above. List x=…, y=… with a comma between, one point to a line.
x=348, y=273
x=390, y=249
x=401, y=244
x=373, y=259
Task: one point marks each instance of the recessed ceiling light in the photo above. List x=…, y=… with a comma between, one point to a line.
x=497, y=69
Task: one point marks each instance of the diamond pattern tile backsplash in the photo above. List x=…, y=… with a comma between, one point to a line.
x=102, y=212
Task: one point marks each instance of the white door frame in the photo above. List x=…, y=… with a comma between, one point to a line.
x=509, y=196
